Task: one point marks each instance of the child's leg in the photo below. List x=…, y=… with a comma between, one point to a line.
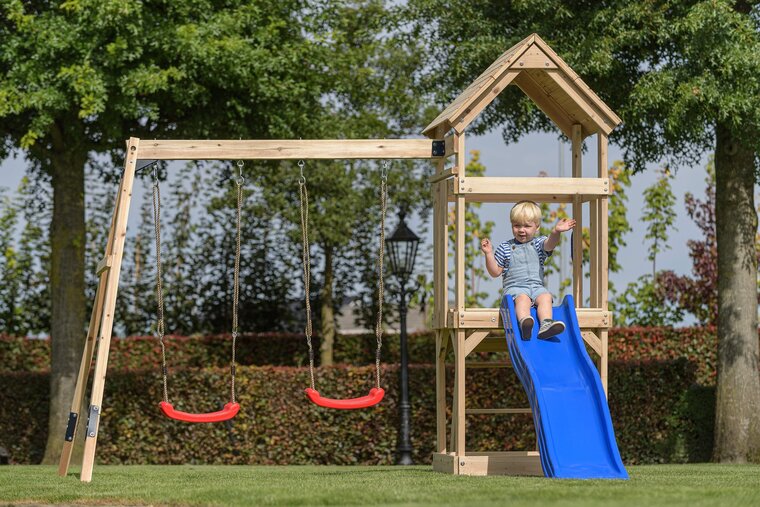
x=522, y=306
x=522, y=309
x=544, y=306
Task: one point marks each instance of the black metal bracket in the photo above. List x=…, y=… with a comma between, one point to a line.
x=72, y=426
x=142, y=164
x=439, y=148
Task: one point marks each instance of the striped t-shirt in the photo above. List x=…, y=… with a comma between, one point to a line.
x=503, y=252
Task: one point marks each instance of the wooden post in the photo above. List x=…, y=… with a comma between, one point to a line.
x=603, y=255
x=441, y=337
x=119, y=231
x=458, y=416
x=577, y=245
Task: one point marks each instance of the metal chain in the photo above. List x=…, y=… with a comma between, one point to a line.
x=303, y=195
x=236, y=284
x=380, y=294
x=159, y=288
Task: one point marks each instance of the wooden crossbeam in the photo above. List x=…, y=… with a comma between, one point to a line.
x=326, y=149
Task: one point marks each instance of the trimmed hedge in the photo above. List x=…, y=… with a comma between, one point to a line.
x=696, y=345
x=659, y=415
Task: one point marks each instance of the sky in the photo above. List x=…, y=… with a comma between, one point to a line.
x=529, y=156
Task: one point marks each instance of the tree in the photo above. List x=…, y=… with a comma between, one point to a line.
x=80, y=76
x=659, y=215
x=682, y=74
x=644, y=302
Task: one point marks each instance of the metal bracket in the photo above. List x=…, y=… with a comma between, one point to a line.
x=72, y=426
x=92, y=421
x=439, y=148
x=142, y=164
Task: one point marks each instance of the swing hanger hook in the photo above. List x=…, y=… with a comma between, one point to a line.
x=240, y=180
x=302, y=179
x=155, y=174
x=384, y=171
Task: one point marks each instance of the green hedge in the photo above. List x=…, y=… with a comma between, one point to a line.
x=696, y=345
x=255, y=349
x=658, y=413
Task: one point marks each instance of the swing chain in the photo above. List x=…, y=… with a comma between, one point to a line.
x=303, y=194
x=236, y=284
x=380, y=284
x=159, y=288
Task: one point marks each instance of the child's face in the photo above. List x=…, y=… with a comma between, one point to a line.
x=524, y=231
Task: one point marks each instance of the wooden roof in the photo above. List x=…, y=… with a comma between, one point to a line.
x=544, y=77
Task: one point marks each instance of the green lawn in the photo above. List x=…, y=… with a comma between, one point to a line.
x=667, y=485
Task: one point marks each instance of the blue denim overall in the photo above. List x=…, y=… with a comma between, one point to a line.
x=526, y=272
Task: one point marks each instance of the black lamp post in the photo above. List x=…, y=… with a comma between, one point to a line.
x=402, y=250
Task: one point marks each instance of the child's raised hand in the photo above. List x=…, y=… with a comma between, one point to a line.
x=485, y=246
x=564, y=224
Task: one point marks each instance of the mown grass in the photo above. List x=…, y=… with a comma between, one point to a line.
x=666, y=485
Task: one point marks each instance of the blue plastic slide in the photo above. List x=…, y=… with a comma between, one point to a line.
x=575, y=435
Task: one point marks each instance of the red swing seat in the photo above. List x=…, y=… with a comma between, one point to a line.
x=229, y=411
x=373, y=398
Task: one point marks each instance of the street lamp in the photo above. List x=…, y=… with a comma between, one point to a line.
x=402, y=251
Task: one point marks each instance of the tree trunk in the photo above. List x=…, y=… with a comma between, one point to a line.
x=737, y=421
x=67, y=239
x=327, y=312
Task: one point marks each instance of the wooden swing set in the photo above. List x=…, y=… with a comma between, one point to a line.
x=578, y=113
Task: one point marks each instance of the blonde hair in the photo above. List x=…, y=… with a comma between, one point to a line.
x=525, y=212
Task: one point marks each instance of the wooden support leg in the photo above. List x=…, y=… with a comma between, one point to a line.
x=440, y=389
x=109, y=304
x=460, y=403
x=84, y=373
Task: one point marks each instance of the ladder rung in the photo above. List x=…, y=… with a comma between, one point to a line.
x=473, y=411
x=488, y=364
x=104, y=264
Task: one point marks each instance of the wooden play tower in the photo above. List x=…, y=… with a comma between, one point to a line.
x=558, y=91
x=578, y=112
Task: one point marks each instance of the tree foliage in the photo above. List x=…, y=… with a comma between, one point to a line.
x=683, y=76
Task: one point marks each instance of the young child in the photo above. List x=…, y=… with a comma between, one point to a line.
x=520, y=262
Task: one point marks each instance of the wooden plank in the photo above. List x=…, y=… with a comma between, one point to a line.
x=445, y=463
x=473, y=340
x=490, y=319
x=441, y=340
x=459, y=227
x=577, y=246
x=590, y=109
x=467, y=114
x=498, y=411
x=328, y=149
x=104, y=264
x=603, y=226
x=604, y=363
x=526, y=463
x=593, y=341
x=109, y=304
x=535, y=58
x=443, y=175
x=480, y=188
x=459, y=415
x=450, y=145
x=594, y=240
